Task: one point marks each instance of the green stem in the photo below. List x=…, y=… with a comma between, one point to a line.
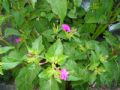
x=102, y=28
x=25, y=44
x=7, y=43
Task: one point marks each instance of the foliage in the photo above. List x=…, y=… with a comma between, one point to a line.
x=44, y=48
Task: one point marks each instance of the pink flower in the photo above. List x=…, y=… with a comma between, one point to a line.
x=66, y=27
x=64, y=74
x=17, y=40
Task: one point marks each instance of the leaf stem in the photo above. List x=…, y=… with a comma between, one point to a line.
x=7, y=43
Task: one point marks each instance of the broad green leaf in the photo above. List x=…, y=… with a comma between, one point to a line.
x=19, y=18
x=41, y=25
x=88, y=27
x=43, y=6
x=74, y=53
x=49, y=73
x=74, y=78
x=9, y=64
x=6, y=5
x=26, y=76
x=37, y=45
x=59, y=7
x=49, y=35
x=5, y=49
x=56, y=49
x=73, y=69
x=50, y=84
x=42, y=12
x=69, y=50
x=27, y=30
x=72, y=13
x=92, y=77
x=49, y=16
x=12, y=60
x=46, y=73
x=77, y=3
x=11, y=31
x=55, y=53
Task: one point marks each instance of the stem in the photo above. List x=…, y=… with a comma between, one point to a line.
x=102, y=28
x=25, y=44
x=7, y=43
x=33, y=35
x=43, y=63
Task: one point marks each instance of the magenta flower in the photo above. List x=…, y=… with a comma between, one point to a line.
x=64, y=74
x=66, y=27
x=17, y=40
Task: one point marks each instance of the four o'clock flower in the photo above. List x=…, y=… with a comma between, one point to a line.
x=66, y=27
x=17, y=40
x=64, y=74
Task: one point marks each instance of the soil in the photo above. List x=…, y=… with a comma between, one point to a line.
x=3, y=86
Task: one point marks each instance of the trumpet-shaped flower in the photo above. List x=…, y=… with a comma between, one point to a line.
x=66, y=27
x=64, y=74
x=17, y=40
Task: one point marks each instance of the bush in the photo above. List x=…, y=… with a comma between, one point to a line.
x=60, y=44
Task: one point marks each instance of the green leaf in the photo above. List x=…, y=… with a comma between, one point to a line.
x=6, y=5
x=43, y=6
x=74, y=53
x=33, y=3
x=77, y=3
x=94, y=61
x=26, y=76
x=5, y=49
x=37, y=45
x=72, y=13
x=50, y=84
x=41, y=25
x=99, y=11
x=9, y=65
x=59, y=7
x=112, y=69
x=73, y=69
x=11, y=31
x=49, y=73
x=12, y=60
x=110, y=39
x=55, y=53
x=88, y=27
x=19, y=18
x=46, y=73
x=2, y=19
x=49, y=35
x=92, y=77
x=1, y=70
x=56, y=49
